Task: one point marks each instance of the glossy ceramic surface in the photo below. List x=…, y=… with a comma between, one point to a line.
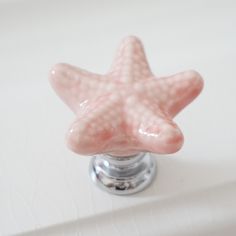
x=127, y=110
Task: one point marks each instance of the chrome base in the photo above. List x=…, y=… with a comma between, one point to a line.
x=123, y=175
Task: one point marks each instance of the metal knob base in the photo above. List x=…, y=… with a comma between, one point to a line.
x=123, y=175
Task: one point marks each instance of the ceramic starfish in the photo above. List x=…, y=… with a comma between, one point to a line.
x=127, y=110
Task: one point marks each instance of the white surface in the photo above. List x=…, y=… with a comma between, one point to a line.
x=45, y=188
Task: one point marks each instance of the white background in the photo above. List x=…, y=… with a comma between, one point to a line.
x=42, y=184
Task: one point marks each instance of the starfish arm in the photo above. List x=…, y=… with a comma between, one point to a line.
x=130, y=63
x=153, y=131
x=73, y=85
x=175, y=92
x=93, y=133
x=159, y=138
x=183, y=88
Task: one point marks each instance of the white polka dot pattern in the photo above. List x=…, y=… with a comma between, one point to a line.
x=127, y=110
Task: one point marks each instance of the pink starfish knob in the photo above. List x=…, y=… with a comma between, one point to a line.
x=127, y=110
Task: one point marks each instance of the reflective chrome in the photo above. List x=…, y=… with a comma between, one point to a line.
x=123, y=175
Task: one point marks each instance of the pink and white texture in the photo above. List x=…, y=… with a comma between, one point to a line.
x=127, y=110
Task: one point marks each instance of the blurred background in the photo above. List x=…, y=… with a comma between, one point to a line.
x=177, y=35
